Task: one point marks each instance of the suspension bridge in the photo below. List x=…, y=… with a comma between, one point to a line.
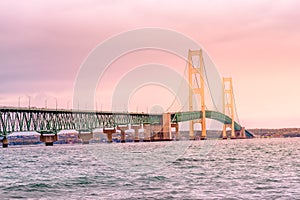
x=156, y=127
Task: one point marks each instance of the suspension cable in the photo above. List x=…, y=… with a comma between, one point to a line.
x=181, y=83
x=235, y=108
x=208, y=85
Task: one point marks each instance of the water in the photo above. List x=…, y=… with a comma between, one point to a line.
x=235, y=169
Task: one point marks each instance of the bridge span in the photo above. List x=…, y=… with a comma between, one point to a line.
x=215, y=115
x=49, y=122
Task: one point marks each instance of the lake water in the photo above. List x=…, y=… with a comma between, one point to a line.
x=211, y=169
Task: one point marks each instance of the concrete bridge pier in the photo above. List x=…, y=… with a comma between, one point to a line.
x=156, y=132
x=109, y=132
x=167, y=127
x=233, y=135
x=4, y=142
x=176, y=126
x=48, y=139
x=192, y=132
x=85, y=137
x=136, y=132
x=241, y=134
x=224, y=133
x=147, y=132
x=122, y=129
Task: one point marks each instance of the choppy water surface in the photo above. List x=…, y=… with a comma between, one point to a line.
x=236, y=169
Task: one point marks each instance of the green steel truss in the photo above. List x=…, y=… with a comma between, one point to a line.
x=51, y=121
x=188, y=116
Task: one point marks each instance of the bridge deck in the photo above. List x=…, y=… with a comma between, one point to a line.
x=51, y=121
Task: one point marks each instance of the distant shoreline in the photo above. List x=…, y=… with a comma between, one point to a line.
x=276, y=133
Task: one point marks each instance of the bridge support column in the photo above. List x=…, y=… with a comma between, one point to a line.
x=136, y=132
x=109, y=133
x=122, y=129
x=232, y=132
x=224, y=134
x=228, y=103
x=203, y=127
x=4, y=142
x=147, y=132
x=176, y=126
x=242, y=133
x=166, y=129
x=156, y=132
x=48, y=139
x=192, y=132
x=85, y=137
x=196, y=72
x=232, y=136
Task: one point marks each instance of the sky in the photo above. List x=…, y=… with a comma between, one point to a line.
x=257, y=43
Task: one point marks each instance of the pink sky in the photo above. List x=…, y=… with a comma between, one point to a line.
x=257, y=43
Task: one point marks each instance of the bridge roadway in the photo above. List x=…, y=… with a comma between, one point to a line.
x=51, y=121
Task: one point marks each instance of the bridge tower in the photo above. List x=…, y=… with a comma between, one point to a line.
x=196, y=75
x=228, y=103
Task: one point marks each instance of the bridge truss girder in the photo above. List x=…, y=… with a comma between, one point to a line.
x=52, y=121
